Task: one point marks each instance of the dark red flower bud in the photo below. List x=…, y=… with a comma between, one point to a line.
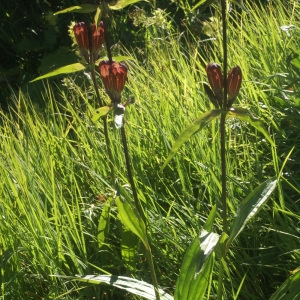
x=97, y=39
x=81, y=34
x=113, y=76
x=234, y=81
x=215, y=78
x=82, y=37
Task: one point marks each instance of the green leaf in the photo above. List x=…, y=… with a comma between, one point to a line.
x=100, y=112
x=250, y=207
x=84, y=8
x=196, y=267
x=98, y=15
x=289, y=290
x=133, y=286
x=129, y=251
x=197, y=125
x=132, y=220
x=116, y=5
x=246, y=116
x=103, y=226
x=211, y=218
x=296, y=62
x=63, y=70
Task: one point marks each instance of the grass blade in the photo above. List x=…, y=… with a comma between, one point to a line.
x=290, y=289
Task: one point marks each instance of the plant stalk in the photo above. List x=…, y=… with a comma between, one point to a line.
x=223, y=147
x=139, y=209
x=130, y=175
x=152, y=271
x=101, y=103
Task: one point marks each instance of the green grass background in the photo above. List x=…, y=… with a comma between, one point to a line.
x=54, y=169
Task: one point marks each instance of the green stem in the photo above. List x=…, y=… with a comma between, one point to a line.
x=223, y=170
x=224, y=23
x=130, y=175
x=223, y=148
x=105, y=126
x=152, y=272
x=139, y=209
x=220, y=279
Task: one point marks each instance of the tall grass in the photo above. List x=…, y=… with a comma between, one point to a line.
x=56, y=181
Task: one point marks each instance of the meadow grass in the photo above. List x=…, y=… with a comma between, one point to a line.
x=56, y=181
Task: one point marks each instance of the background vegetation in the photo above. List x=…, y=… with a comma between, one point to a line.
x=53, y=160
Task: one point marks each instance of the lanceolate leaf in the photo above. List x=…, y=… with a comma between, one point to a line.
x=196, y=267
x=84, y=8
x=63, y=70
x=289, y=290
x=133, y=286
x=250, y=207
x=132, y=220
x=103, y=226
x=129, y=245
x=190, y=130
x=116, y=5
x=245, y=115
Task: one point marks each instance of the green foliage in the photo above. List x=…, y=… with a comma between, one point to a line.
x=197, y=266
x=131, y=285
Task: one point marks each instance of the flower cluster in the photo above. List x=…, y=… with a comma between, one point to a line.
x=113, y=74
x=81, y=32
x=215, y=78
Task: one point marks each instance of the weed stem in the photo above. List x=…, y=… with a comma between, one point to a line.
x=223, y=147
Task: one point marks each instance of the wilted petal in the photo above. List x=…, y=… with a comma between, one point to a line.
x=234, y=81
